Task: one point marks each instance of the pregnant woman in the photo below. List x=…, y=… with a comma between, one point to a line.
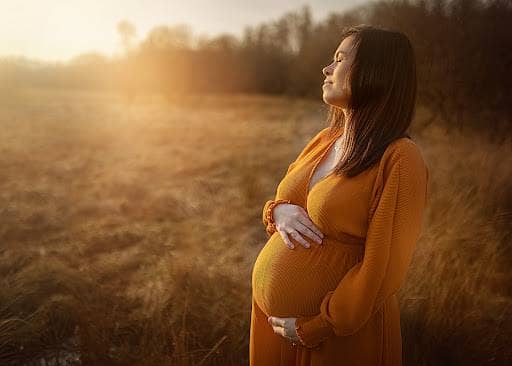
x=345, y=218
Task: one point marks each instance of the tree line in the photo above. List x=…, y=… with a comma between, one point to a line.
x=462, y=49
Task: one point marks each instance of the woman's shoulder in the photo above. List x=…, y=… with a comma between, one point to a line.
x=405, y=149
x=404, y=154
x=402, y=164
x=321, y=135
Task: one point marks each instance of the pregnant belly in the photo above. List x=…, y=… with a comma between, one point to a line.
x=293, y=283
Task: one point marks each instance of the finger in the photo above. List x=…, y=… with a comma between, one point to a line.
x=286, y=240
x=306, y=221
x=305, y=230
x=282, y=332
x=276, y=328
x=276, y=321
x=279, y=330
x=279, y=326
x=300, y=239
x=279, y=321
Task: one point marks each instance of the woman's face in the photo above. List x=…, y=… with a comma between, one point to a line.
x=336, y=91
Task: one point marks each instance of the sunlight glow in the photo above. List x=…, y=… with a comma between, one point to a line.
x=58, y=30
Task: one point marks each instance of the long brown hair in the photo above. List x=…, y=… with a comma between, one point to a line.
x=382, y=82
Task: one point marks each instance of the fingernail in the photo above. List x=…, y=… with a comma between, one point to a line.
x=307, y=245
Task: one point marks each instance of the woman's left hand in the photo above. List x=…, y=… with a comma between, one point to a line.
x=285, y=327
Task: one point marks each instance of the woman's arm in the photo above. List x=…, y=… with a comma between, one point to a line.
x=390, y=241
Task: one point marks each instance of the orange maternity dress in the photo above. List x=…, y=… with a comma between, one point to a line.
x=343, y=292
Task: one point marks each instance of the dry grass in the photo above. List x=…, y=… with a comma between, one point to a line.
x=128, y=230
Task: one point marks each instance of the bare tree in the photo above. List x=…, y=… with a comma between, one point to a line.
x=127, y=33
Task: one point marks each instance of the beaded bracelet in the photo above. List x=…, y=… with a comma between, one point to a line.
x=269, y=214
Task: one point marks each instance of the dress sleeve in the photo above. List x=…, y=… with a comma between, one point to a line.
x=309, y=146
x=394, y=227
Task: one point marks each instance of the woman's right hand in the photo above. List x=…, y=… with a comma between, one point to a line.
x=292, y=220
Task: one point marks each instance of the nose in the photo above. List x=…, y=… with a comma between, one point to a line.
x=326, y=70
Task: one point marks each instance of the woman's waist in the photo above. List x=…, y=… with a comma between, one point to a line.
x=340, y=242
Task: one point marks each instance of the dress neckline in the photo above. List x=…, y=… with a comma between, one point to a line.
x=317, y=162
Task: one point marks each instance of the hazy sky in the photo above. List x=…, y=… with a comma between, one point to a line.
x=57, y=30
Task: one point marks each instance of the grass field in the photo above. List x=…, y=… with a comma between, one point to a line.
x=128, y=230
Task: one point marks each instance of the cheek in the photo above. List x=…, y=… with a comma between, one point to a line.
x=340, y=76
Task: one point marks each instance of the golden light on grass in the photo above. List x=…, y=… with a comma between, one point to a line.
x=129, y=230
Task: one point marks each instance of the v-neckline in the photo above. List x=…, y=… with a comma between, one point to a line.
x=315, y=165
